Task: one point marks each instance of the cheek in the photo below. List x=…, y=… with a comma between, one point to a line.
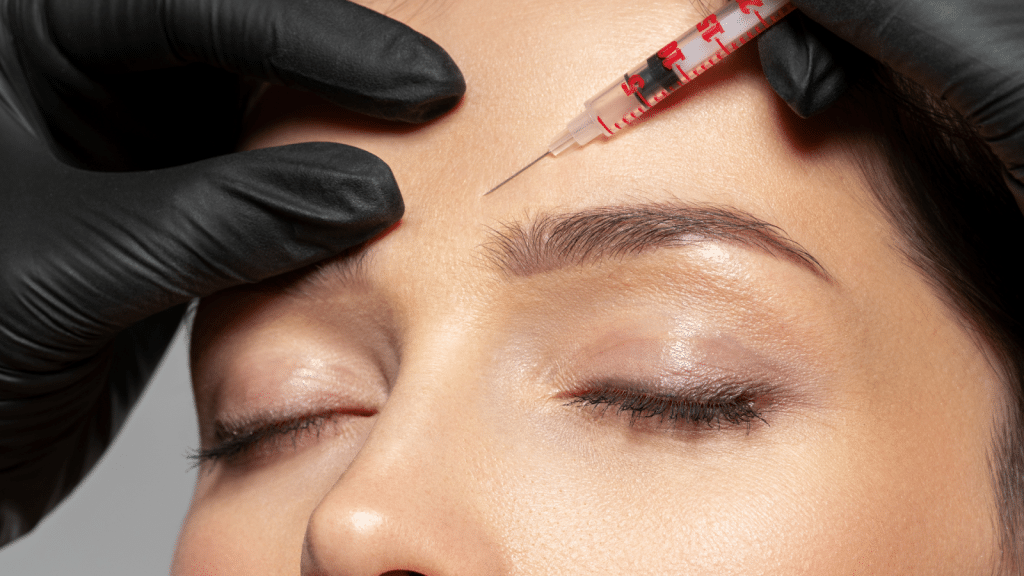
x=225, y=543
x=811, y=494
x=254, y=522
x=245, y=533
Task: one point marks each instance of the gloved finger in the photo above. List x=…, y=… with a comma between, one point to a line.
x=351, y=55
x=799, y=63
x=117, y=248
x=968, y=52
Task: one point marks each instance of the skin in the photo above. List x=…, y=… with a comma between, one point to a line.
x=454, y=446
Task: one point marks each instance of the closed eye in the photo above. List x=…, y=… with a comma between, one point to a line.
x=237, y=442
x=695, y=410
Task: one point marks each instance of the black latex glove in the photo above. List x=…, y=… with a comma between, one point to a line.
x=96, y=266
x=969, y=52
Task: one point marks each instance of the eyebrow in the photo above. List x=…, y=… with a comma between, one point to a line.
x=554, y=241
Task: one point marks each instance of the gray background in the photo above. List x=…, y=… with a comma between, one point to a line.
x=124, y=518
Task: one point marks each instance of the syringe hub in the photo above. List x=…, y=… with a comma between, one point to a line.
x=581, y=130
x=561, y=142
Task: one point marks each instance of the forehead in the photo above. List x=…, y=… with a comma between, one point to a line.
x=529, y=65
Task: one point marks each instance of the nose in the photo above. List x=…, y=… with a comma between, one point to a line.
x=407, y=505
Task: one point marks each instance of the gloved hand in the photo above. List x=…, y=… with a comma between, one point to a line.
x=970, y=52
x=96, y=266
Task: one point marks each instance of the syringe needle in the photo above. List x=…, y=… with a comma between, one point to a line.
x=521, y=170
x=681, y=61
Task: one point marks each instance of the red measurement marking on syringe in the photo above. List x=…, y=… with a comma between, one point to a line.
x=672, y=58
x=710, y=26
x=670, y=54
x=746, y=4
x=632, y=88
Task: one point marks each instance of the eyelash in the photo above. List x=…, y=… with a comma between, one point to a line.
x=733, y=408
x=240, y=444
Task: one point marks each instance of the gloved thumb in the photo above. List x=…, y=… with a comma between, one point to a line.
x=800, y=61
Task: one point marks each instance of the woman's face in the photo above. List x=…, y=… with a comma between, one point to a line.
x=609, y=366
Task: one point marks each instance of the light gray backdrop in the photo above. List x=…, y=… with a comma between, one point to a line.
x=124, y=518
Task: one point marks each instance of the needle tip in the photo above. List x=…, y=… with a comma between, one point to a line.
x=518, y=172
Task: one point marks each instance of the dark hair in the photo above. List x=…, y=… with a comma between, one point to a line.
x=957, y=223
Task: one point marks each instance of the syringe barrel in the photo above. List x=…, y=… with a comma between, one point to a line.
x=624, y=101
x=609, y=103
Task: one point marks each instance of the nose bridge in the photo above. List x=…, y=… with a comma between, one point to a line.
x=413, y=498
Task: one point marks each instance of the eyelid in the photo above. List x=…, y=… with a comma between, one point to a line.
x=736, y=402
x=225, y=430
x=695, y=386
x=240, y=439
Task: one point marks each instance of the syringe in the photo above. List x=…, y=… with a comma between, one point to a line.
x=680, y=62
